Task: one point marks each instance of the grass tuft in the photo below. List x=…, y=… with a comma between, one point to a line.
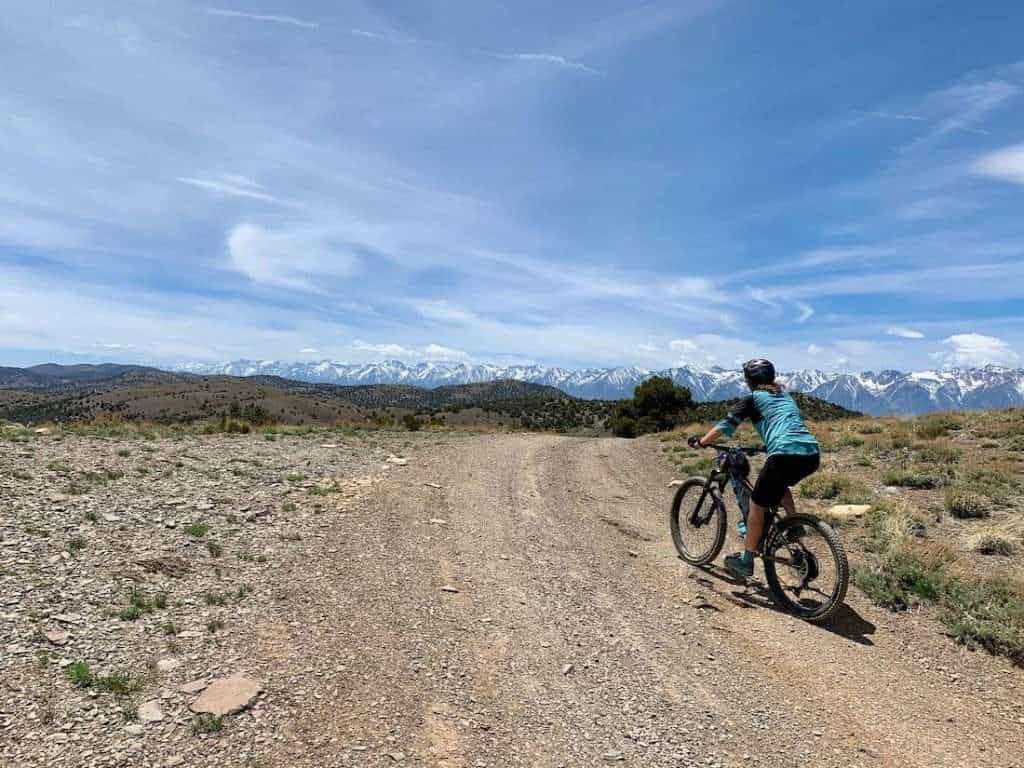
x=964, y=503
x=207, y=723
x=80, y=674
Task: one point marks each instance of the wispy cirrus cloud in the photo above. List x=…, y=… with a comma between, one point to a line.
x=543, y=58
x=271, y=18
x=232, y=186
x=961, y=107
x=896, y=116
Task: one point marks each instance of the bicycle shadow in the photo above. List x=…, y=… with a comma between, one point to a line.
x=845, y=622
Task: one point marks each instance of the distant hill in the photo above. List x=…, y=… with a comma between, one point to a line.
x=51, y=376
x=136, y=393
x=873, y=392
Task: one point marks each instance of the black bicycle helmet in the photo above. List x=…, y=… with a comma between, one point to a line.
x=758, y=371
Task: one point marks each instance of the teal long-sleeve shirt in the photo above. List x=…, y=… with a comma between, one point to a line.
x=776, y=418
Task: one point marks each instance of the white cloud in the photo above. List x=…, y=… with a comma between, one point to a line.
x=682, y=345
x=428, y=352
x=806, y=311
x=289, y=258
x=388, y=350
x=1006, y=164
x=444, y=312
x=761, y=296
x=976, y=349
x=308, y=351
x=271, y=18
x=438, y=352
x=903, y=332
x=814, y=350
x=697, y=288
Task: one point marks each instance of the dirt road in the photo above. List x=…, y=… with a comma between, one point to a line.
x=577, y=637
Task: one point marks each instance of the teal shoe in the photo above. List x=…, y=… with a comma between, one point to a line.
x=740, y=565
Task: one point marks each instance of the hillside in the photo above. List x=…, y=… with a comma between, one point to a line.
x=143, y=394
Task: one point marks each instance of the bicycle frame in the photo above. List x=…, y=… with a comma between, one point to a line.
x=723, y=473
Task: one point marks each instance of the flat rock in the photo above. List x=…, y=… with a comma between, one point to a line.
x=196, y=686
x=168, y=665
x=227, y=696
x=58, y=638
x=398, y=461
x=134, y=729
x=111, y=518
x=68, y=618
x=847, y=511
x=151, y=712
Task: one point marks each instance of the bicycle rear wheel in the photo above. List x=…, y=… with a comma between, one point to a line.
x=697, y=531
x=806, y=568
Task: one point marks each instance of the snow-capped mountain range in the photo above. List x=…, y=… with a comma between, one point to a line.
x=877, y=393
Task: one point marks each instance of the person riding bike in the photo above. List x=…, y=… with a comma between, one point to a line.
x=793, y=453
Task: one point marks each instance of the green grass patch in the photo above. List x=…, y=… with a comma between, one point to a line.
x=197, y=530
x=119, y=683
x=207, y=723
x=80, y=674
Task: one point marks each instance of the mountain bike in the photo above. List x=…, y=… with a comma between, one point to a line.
x=805, y=564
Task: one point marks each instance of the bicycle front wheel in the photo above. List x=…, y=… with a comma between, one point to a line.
x=697, y=521
x=806, y=568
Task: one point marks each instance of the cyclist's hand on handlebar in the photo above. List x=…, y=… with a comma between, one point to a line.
x=694, y=442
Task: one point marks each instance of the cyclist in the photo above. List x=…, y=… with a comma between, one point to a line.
x=793, y=453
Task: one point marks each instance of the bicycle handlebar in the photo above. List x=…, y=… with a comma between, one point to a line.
x=748, y=451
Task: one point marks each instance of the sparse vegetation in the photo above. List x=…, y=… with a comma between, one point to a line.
x=215, y=598
x=118, y=683
x=905, y=569
x=965, y=503
x=993, y=542
x=910, y=478
x=197, y=530
x=831, y=486
x=207, y=723
x=80, y=674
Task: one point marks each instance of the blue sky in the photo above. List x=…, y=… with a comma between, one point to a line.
x=579, y=183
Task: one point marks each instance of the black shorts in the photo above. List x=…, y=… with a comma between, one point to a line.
x=782, y=471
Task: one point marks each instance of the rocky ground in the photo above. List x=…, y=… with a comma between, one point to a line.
x=437, y=600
